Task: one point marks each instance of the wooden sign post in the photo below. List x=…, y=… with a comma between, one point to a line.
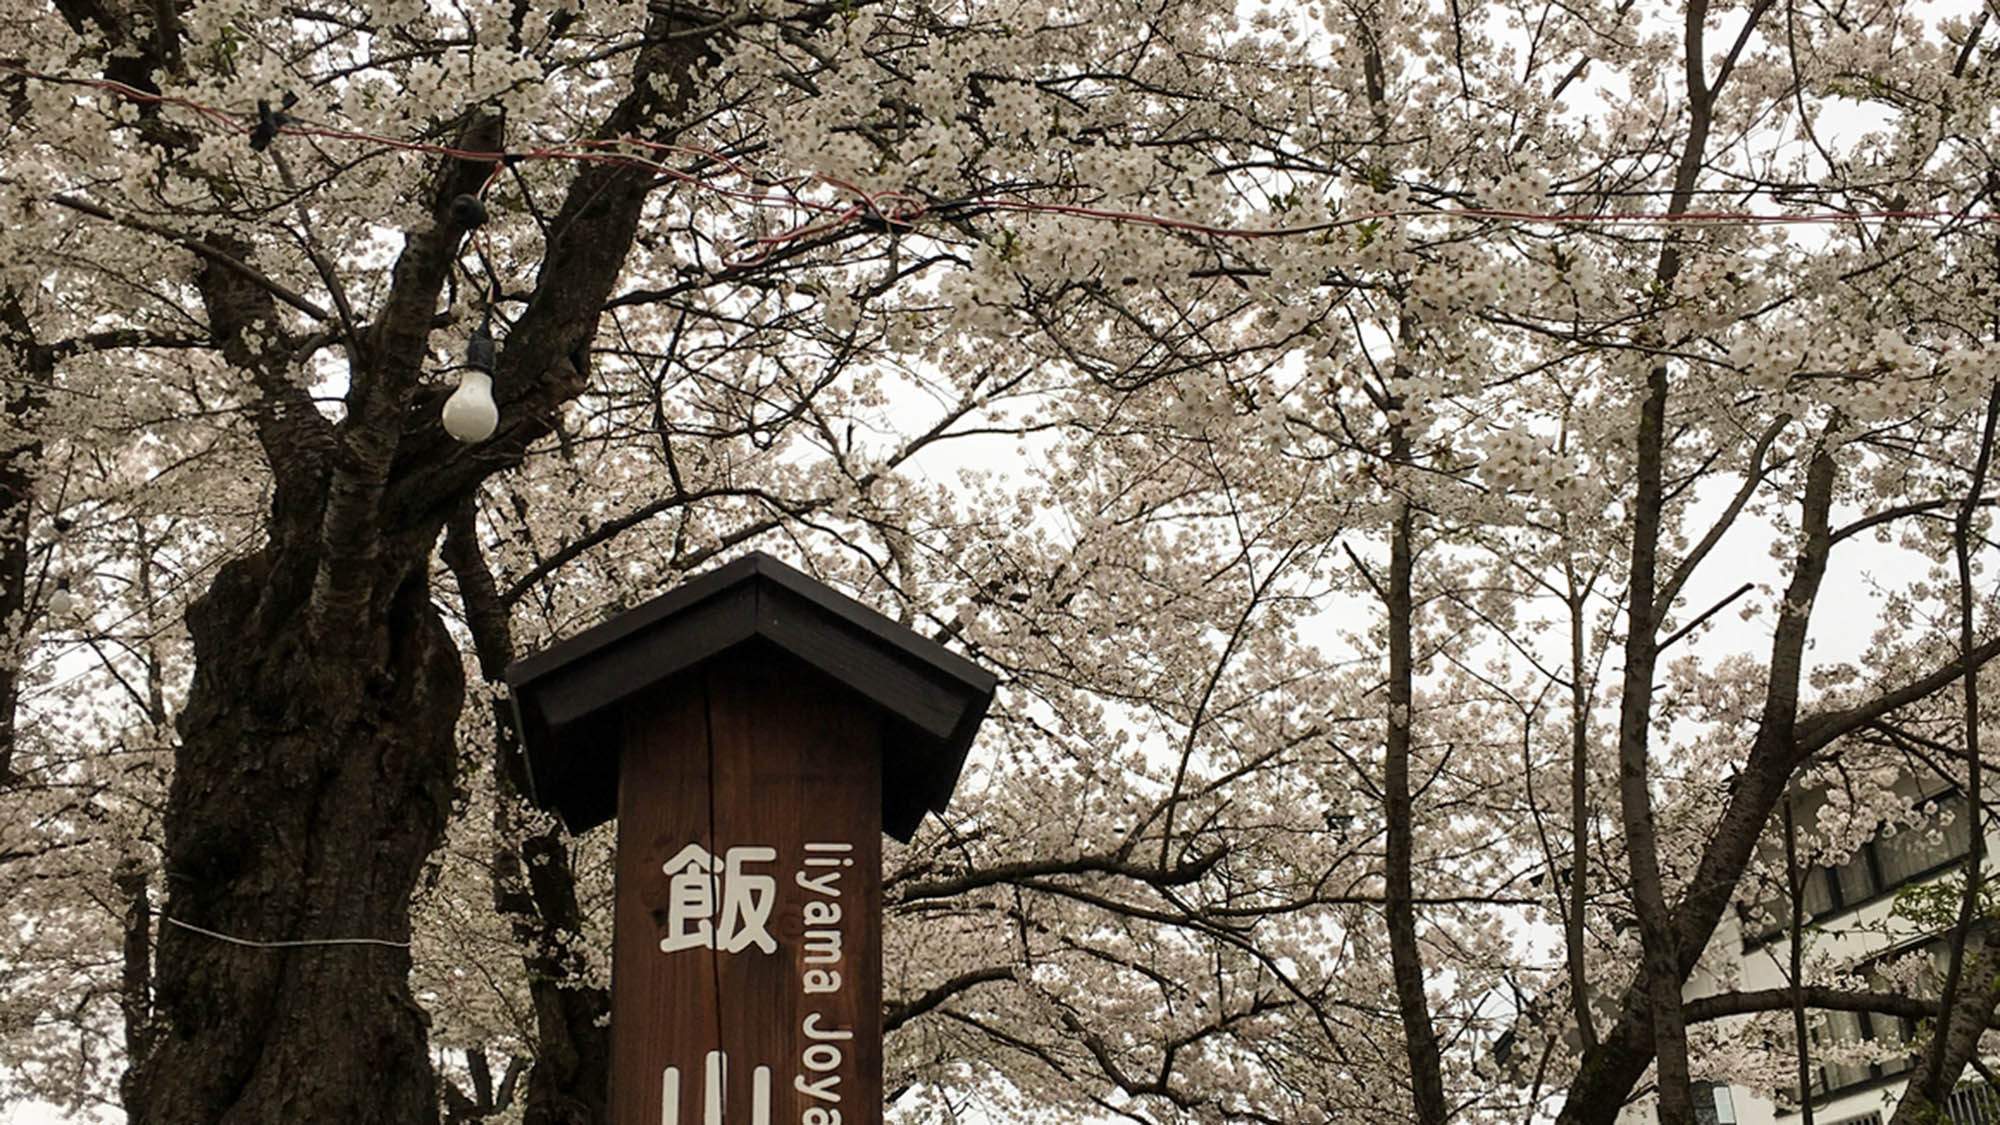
x=755, y=733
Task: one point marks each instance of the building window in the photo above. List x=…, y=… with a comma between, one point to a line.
x=1840, y=1031
x=1713, y=1105
x=1910, y=853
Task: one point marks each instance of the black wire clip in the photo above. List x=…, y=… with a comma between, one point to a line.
x=269, y=121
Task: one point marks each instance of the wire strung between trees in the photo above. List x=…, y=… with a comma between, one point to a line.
x=251, y=943
x=899, y=210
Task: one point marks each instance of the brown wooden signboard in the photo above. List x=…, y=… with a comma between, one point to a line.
x=755, y=733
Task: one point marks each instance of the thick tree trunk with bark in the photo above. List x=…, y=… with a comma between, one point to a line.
x=312, y=784
x=316, y=771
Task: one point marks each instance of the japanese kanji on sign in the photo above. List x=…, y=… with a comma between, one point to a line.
x=716, y=904
x=755, y=733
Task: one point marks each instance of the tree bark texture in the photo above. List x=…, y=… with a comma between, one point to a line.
x=1965, y=1002
x=1651, y=1022
x=1658, y=955
x=27, y=366
x=316, y=771
x=1957, y=1038
x=309, y=790
x=1420, y=1040
x=534, y=882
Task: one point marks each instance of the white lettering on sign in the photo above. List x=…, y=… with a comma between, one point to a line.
x=825, y=1049
x=823, y=1089
x=736, y=918
x=719, y=904
x=713, y=1099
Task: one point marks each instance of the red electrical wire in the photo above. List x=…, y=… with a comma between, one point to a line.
x=901, y=209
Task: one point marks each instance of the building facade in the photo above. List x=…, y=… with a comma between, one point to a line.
x=1869, y=912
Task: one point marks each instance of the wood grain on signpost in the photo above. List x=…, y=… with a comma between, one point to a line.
x=752, y=751
x=755, y=732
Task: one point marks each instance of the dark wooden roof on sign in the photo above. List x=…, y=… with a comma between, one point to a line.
x=567, y=698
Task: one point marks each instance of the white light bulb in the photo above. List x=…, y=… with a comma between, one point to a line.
x=470, y=414
x=62, y=602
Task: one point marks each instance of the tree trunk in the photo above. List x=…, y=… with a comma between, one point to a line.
x=1955, y=1041
x=26, y=367
x=316, y=771
x=1665, y=954
x=1575, y=932
x=1783, y=743
x=1964, y=1007
x=570, y=1083
x=310, y=787
x=1420, y=1041
x=534, y=883
x=1796, y=930
x=1659, y=959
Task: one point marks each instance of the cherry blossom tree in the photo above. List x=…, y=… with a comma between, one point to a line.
x=1349, y=430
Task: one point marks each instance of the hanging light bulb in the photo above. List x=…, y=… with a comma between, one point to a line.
x=470, y=414
x=62, y=603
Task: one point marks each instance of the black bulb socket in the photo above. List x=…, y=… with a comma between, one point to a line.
x=479, y=350
x=467, y=211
